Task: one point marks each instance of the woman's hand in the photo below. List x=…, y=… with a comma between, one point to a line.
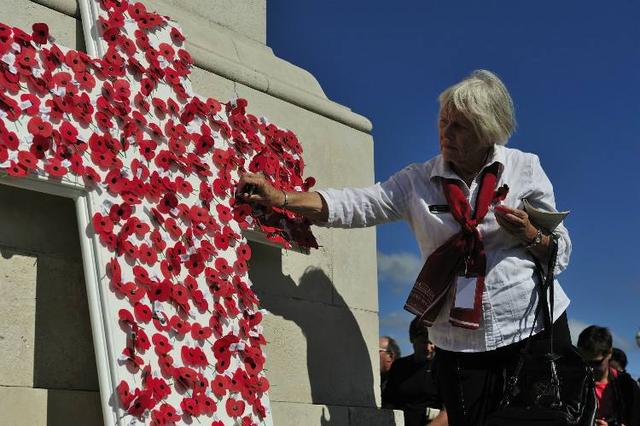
x=255, y=188
x=516, y=222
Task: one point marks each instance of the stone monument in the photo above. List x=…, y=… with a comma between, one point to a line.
x=322, y=330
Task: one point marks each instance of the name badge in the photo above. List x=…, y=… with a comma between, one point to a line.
x=465, y=292
x=439, y=208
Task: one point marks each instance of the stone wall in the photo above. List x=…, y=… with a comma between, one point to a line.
x=322, y=353
x=47, y=365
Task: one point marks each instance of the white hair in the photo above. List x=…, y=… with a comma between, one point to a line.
x=484, y=100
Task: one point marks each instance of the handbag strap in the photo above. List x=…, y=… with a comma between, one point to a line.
x=545, y=286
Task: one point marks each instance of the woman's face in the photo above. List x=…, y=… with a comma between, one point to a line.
x=459, y=143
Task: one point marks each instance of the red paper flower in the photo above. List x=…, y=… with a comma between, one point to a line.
x=124, y=394
x=142, y=312
x=161, y=344
x=234, y=407
x=500, y=194
x=55, y=168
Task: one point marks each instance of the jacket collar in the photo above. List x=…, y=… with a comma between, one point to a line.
x=441, y=168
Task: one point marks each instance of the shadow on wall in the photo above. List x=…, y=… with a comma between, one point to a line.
x=41, y=230
x=338, y=362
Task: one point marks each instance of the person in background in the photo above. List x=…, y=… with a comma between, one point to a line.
x=618, y=394
x=389, y=352
x=618, y=360
x=410, y=385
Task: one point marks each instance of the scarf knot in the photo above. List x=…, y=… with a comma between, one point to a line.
x=469, y=227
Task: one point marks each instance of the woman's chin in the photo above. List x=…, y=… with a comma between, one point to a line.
x=448, y=154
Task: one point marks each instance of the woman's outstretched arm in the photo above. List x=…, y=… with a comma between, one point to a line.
x=255, y=188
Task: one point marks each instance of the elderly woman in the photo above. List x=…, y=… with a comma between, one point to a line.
x=477, y=290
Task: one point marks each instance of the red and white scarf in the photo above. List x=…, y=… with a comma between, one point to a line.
x=462, y=255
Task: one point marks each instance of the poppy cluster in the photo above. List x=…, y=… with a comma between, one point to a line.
x=164, y=164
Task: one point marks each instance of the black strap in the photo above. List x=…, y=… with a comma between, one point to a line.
x=545, y=286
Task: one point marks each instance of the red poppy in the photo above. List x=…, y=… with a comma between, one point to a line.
x=190, y=406
x=169, y=413
x=240, y=267
x=159, y=292
x=27, y=160
x=119, y=212
x=159, y=387
x=193, y=356
x=200, y=333
x=9, y=140
x=223, y=266
x=55, y=168
x=30, y=103
x=500, y=194
x=161, y=344
x=178, y=325
x=234, y=407
x=165, y=362
x=224, y=213
x=172, y=228
x=142, y=312
x=124, y=394
x=142, y=341
x=126, y=317
x=221, y=241
x=176, y=35
x=68, y=132
x=179, y=294
x=220, y=385
x=134, y=293
x=27, y=57
x=142, y=402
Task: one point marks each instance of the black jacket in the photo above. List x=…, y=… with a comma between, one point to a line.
x=627, y=395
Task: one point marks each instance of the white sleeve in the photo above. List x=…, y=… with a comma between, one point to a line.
x=542, y=197
x=373, y=205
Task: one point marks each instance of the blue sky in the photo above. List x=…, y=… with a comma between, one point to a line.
x=573, y=69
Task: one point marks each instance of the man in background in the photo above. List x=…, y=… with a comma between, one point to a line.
x=618, y=394
x=618, y=360
x=410, y=385
x=389, y=351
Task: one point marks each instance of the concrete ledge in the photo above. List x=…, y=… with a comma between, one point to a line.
x=68, y=7
x=246, y=17
x=244, y=60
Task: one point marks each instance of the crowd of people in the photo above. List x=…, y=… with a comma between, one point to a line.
x=408, y=383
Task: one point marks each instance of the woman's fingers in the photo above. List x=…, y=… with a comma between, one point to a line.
x=255, y=188
x=250, y=184
x=514, y=216
x=514, y=221
x=505, y=224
